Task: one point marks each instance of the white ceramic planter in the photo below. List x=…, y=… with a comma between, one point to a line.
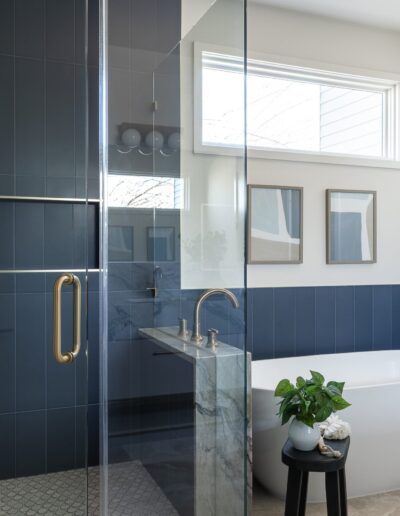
x=303, y=437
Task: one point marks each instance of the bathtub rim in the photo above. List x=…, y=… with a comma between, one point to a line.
x=396, y=352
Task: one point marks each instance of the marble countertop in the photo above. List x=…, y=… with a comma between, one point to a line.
x=168, y=338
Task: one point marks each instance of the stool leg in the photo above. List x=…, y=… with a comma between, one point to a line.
x=294, y=492
x=303, y=493
x=343, y=492
x=332, y=493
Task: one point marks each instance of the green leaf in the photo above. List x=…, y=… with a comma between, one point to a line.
x=283, y=387
x=332, y=391
x=286, y=417
x=323, y=413
x=340, y=403
x=338, y=385
x=307, y=420
x=300, y=382
x=312, y=389
x=317, y=377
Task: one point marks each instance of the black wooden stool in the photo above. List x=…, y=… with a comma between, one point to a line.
x=301, y=463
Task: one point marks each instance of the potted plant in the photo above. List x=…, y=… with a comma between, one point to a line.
x=308, y=402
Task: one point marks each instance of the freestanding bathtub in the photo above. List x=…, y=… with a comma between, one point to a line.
x=372, y=387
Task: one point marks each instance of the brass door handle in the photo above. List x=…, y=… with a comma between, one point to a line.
x=68, y=356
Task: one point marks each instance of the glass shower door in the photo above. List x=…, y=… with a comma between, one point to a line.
x=48, y=225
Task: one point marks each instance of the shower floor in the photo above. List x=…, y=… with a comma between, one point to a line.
x=132, y=492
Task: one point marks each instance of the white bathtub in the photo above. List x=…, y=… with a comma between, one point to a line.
x=372, y=386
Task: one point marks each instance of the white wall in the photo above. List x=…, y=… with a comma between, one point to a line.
x=212, y=223
x=192, y=11
x=299, y=36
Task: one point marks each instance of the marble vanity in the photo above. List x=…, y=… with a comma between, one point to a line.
x=222, y=387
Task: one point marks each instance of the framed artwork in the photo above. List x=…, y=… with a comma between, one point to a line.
x=275, y=224
x=350, y=226
x=161, y=244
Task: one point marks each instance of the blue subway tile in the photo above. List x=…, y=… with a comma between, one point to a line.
x=6, y=183
x=6, y=119
x=30, y=352
x=249, y=320
x=363, y=318
x=344, y=307
x=60, y=138
x=29, y=117
x=29, y=235
x=325, y=320
x=7, y=235
x=7, y=446
x=31, y=443
x=262, y=321
x=7, y=353
x=29, y=28
x=382, y=299
x=59, y=236
x=31, y=186
x=61, y=439
x=305, y=321
x=7, y=26
x=396, y=316
x=60, y=34
x=30, y=283
x=285, y=322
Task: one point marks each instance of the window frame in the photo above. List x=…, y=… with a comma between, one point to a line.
x=312, y=71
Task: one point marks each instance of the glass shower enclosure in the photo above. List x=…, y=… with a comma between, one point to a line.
x=175, y=422
x=117, y=219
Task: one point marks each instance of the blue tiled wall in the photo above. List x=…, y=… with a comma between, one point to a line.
x=43, y=406
x=42, y=98
x=285, y=322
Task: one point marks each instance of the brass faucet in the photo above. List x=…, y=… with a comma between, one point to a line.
x=196, y=335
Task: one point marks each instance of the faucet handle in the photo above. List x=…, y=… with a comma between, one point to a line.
x=212, y=341
x=183, y=331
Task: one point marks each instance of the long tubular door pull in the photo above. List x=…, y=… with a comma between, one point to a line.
x=69, y=356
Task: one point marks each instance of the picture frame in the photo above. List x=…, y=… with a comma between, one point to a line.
x=275, y=224
x=351, y=226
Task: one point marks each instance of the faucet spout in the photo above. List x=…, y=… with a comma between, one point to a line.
x=196, y=335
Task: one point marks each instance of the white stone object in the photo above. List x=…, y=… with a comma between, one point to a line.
x=335, y=428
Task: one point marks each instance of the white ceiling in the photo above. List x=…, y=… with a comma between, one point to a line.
x=378, y=13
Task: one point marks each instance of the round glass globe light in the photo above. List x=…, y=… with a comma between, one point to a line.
x=131, y=137
x=174, y=141
x=155, y=140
